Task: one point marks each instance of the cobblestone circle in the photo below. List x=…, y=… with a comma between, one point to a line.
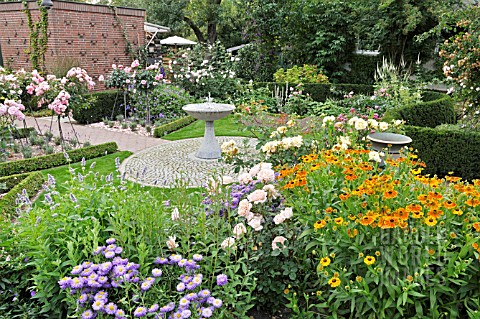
x=174, y=164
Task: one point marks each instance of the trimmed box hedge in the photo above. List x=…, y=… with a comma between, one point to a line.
x=447, y=150
x=54, y=160
x=31, y=182
x=321, y=92
x=437, y=109
x=101, y=108
x=162, y=130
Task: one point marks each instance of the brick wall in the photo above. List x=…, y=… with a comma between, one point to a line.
x=78, y=34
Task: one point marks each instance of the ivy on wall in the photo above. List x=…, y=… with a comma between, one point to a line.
x=38, y=41
x=138, y=53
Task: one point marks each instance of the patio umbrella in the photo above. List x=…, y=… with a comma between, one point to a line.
x=175, y=40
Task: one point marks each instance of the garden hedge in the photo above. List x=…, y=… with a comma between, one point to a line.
x=162, y=130
x=447, y=150
x=101, y=108
x=31, y=182
x=362, y=69
x=54, y=160
x=437, y=109
x=321, y=92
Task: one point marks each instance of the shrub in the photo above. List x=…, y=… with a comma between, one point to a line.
x=15, y=184
x=296, y=74
x=172, y=126
x=22, y=132
x=321, y=92
x=362, y=69
x=104, y=105
x=53, y=160
x=426, y=114
x=447, y=150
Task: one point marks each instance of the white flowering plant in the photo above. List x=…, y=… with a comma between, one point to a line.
x=204, y=70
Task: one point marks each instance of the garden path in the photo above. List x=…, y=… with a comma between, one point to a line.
x=94, y=135
x=155, y=162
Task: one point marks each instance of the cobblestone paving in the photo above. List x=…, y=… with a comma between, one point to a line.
x=174, y=163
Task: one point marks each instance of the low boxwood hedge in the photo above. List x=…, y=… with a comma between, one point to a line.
x=447, y=150
x=437, y=109
x=102, y=107
x=321, y=92
x=30, y=182
x=162, y=130
x=54, y=160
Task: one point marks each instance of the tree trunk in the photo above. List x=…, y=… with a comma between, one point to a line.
x=195, y=29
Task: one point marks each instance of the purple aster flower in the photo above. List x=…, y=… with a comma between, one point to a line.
x=76, y=283
x=101, y=295
x=65, y=282
x=177, y=315
x=168, y=307
x=186, y=314
x=118, y=250
x=86, y=272
x=161, y=261
x=146, y=285
x=87, y=264
x=98, y=305
x=197, y=257
x=156, y=272
x=94, y=284
x=119, y=270
x=119, y=260
x=191, y=296
x=204, y=293
x=140, y=312
x=82, y=299
x=120, y=313
x=210, y=300
x=33, y=293
x=88, y=314
x=217, y=303
x=207, y=312
x=111, y=308
x=184, y=302
x=109, y=254
x=104, y=268
x=99, y=250
x=222, y=280
x=153, y=308
x=181, y=287
x=102, y=279
x=77, y=269
x=191, y=285
x=175, y=258
x=182, y=263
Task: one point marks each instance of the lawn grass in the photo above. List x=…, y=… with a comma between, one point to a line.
x=105, y=165
x=227, y=126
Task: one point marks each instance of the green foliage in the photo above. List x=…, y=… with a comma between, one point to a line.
x=296, y=75
x=38, y=40
x=447, y=149
x=48, y=161
x=320, y=92
x=426, y=114
x=22, y=132
x=362, y=69
x=160, y=131
x=31, y=182
x=105, y=105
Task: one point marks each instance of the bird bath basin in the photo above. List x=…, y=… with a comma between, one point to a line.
x=390, y=141
x=209, y=112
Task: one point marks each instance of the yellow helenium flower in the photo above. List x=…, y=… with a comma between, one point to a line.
x=430, y=221
x=369, y=260
x=334, y=282
x=325, y=261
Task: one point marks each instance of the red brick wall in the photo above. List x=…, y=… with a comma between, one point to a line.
x=78, y=33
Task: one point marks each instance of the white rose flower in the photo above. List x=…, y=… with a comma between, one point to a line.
x=278, y=219
x=256, y=222
x=276, y=240
x=287, y=212
x=228, y=242
x=361, y=124
x=271, y=191
x=239, y=230
x=258, y=196
x=244, y=178
x=227, y=180
x=266, y=175
x=383, y=126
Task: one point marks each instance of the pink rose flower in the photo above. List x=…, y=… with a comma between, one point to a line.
x=277, y=240
x=258, y=196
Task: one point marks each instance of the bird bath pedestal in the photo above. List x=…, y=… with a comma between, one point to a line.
x=209, y=112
